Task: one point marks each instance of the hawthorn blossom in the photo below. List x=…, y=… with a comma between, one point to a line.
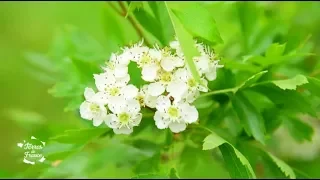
x=126, y=115
x=91, y=109
x=166, y=82
x=193, y=87
x=111, y=87
x=145, y=99
x=175, y=115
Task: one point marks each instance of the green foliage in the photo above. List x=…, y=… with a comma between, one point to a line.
x=269, y=80
x=238, y=166
x=187, y=43
x=205, y=27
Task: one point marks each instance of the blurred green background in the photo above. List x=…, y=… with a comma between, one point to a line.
x=26, y=107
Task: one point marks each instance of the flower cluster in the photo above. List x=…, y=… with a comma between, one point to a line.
x=170, y=89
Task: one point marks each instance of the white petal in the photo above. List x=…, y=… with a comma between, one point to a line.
x=97, y=121
x=189, y=113
x=111, y=121
x=85, y=111
x=117, y=104
x=100, y=98
x=178, y=62
x=155, y=89
x=137, y=119
x=211, y=75
x=124, y=59
x=174, y=44
x=155, y=54
x=123, y=81
x=177, y=127
x=160, y=121
x=163, y=103
x=203, y=64
x=177, y=89
x=149, y=72
x=88, y=93
x=192, y=95
x=167, y=64
x=129, y=91
x=120, y=71
x=123, y=130
x=203, y=87
x=151, y=101
x=181, y=74
x=133, y=106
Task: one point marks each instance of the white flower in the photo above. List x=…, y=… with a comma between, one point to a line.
x=170, y=61
x=149, y=63
x=209, y=60
x=176, y=46
x=111, y=87
x=118, y=65
x=166, y=83
x=146, y=99
x=135, y=52
x=126, y=116
x=90, y=109
x=193, y=87
x=175, y=115
x=212, y=71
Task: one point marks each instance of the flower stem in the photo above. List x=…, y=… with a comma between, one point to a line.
x=223, y=91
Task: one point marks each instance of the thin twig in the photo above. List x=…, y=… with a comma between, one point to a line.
x=115, y=8
x=223, y=91
x=133, y=23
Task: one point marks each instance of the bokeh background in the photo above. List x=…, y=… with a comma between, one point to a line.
x=26, y=107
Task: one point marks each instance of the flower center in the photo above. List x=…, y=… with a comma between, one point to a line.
x=165, y=77
x=140, y=98
x=114, y=91
x=192, y=83
x=173, y=112
x=124, y=118
x=94, y=108
x=145, y=59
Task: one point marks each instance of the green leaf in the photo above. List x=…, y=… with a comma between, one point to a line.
x=272, y=119
x=173, y=174
x=286, y=99
x=149, y=165
x=150, y=24
x=237, y=164
x=286, y=169
x=249, y=116
x=133, y=6
x=248, y=14
x=79, y=136
x=313, y=86
x=186, y=42
x=67, y=89
x=57, y=151
x=299, y=130
x=41, y=61
x=251, y=80
x=291, y=83
x=275, y=50
x=161, y=14
x=74, y=103
x=203, y=27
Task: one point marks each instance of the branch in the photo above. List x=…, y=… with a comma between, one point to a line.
x=223, y=91
x=135, y=25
